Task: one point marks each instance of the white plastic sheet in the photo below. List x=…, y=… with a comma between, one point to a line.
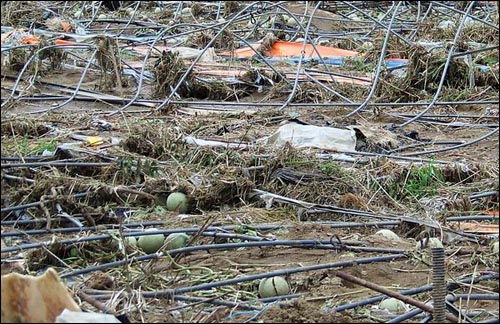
x=310, y=136
x=68, y=316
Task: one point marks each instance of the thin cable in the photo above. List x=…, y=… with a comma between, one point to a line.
x=381, y=60
x=302, y=56
x=445, y=69
x=454, y=147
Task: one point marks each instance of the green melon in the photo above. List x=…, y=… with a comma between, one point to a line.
x=272, y=287
x=177, y=201
x=494, y=247
x=176, y=241
x=393, y=305
x=151, y=243
x=434, y=242
x=388, y=234
x=130, y=240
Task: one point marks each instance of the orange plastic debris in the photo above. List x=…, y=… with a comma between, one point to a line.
x=294, y=49
x=32, y=40
x=491, y=212
x=66, y=26
x=64, y=42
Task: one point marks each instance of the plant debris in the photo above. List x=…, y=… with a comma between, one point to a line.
x=294, y=132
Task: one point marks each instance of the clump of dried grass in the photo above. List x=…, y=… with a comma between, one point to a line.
x=230, y=7
x=108, y=57
x=168, y=71
x=21, y=13
x=225, y=41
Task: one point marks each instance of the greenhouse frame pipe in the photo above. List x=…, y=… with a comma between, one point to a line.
x=299, y=243
x=454, y=116
x=283, y=272
x=476, y=51
x=419, y=144
x=134, y=12
x=445, y=69
x=483, y=195
x=78, y=229
x=230, y=246
x=36, y=204
x=450, y=148
x=378, y=22
x=424, y=120
x=406, y=316
x=454, y=297
x=141, y=77
x=378, y=69
x=454, y=123
x=26, y=65
x=77, y=88
x=27, y=158
x=331, y=104
x=276, y=104
x=54, y=164
x=471, y=218
x=167, y=100
x=412, y=291
x=465, y=13
x=302, y=55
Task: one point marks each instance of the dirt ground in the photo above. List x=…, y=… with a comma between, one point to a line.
x=250, y=192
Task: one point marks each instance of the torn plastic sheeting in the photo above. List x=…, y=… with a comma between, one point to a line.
x=292, y=52
x=310, y=136
x=395, y=62
x=19, y=36
x=469, y=227
x=202, y=142
x=291, y=76
x=326, y=78
x=338, y=157
x=338, y=61
x=187, y=53
x=68, y=316
x=335, y=60
x=192, y=53
x=292, y=49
